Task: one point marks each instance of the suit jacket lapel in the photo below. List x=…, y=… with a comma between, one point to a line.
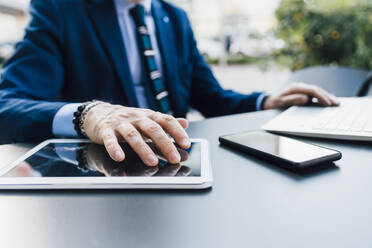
x=104, y=18
x=166, y=45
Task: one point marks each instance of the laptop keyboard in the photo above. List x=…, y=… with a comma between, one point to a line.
x=353, y=115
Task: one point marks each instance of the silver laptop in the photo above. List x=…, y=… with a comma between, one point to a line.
x=352, y=120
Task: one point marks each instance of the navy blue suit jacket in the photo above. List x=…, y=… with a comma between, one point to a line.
x=73, y=52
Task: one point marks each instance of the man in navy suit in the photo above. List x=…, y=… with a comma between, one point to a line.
x=139, y=58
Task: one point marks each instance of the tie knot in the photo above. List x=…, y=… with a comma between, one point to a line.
x=138, y=14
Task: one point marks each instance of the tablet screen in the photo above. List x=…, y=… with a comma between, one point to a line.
x=92, y=160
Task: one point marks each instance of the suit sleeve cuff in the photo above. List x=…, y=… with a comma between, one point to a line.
x=260, y=100
x=62, y=122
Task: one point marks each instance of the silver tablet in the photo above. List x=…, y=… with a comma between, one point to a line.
x=81, y=164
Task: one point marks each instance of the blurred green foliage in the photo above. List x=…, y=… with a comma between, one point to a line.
x=325, y=32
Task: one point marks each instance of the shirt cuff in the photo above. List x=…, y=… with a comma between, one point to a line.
x=62, y=122
x=260, y=100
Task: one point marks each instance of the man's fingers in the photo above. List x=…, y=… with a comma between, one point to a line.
x=112, y=145
x=313, y=91
x=139, y=146
x=160, y=138
x=335, y=101
x=173, y=127
x=294, y=99
x=184, y=123
x=323, y=96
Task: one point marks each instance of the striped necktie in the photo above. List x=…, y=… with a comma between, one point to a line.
x=156, y=85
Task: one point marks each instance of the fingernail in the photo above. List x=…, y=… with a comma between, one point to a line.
x=185, y=143
x=175, y=157
x=152, y=159
x=118, y=154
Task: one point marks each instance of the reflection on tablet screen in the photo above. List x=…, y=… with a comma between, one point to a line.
x=92, y=160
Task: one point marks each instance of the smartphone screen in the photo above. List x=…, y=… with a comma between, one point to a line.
x=291, y=150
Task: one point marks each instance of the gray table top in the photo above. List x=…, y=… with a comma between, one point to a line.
x=252, y=204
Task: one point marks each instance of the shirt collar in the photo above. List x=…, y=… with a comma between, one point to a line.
x=126, y=5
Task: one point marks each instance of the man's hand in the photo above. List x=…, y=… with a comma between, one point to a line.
x=98, y=160
x=300, y=94
x=108, y=124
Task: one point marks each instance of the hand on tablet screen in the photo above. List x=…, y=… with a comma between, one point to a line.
x=108, y=124
x=98, y=160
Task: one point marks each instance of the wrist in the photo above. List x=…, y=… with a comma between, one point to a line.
x=267, y=103
x=80, y=116
x=93, y=120
x=263, y=101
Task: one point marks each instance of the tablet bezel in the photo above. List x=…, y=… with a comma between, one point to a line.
x=204, y=181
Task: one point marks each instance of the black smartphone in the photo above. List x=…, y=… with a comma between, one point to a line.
x=286, y=152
